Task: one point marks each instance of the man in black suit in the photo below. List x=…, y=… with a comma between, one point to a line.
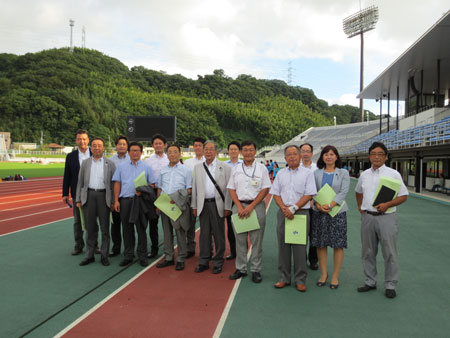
x=70, y=181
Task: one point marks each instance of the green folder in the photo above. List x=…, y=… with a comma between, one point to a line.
x=169, y=209
x=140, y=180
x=295, y=230
x=390, y=183
x=325, y=195
x=83, y=226
x=334, y=211
x=245, y=224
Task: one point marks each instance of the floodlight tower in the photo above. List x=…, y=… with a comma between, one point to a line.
x=71, y=24
x=83, y=38
x=357, y=24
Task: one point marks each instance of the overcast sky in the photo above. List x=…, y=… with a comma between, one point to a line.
x=257, y=37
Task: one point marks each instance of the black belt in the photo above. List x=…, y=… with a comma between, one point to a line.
x=247, y=202
x=375, y=213
x=210, y=199
x=97, y=190
x=126, y=198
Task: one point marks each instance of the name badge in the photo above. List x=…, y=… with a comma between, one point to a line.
x=254, y=183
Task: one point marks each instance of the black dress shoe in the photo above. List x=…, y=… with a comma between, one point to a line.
x=366, y=288
x=143, y=262
x=126, y=262
x=217, y=269
x=314, y=266
x=229, y=257
x=105, y=261
x=190, y=254
x=114, y=254
x=87, y=261
x=164, y=264
x=97, y=251
x=237, y=274
x=201, y=268
x=152, y=254
x=256, y=277
x=179, y=266
x=76, y=251
x=390, y=293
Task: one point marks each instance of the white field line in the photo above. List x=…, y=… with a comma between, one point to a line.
x=30, y=206
x=36, y=226
x=52, y=192
x=36, y=213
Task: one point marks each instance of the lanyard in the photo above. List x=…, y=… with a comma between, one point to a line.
x=243, y=169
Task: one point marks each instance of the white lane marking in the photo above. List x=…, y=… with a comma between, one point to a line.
x=36, y=213
x=31, y=205
x=36, y=226
x=52, y=193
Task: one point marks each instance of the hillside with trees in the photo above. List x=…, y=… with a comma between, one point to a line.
x=57, y=92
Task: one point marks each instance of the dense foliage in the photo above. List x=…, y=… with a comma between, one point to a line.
x=57, y=92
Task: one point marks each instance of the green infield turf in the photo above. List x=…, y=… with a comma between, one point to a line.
x=31, y=169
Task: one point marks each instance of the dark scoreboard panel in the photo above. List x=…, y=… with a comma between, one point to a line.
x=142, y=128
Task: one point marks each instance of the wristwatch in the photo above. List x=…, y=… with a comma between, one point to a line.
x=329, y=206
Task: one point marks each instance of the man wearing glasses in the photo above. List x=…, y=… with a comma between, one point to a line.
x=379, y=222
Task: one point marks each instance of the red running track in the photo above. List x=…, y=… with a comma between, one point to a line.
x=162, y=303
x=25, y=204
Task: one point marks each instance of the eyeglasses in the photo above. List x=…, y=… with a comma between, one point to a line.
x=377, y=154
x=306, y=151
x=135, y=151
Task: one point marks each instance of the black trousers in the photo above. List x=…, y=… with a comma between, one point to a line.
x=153, y=233
x=312, y=253
x=129, y=238
x=231, y=237
x=116, y=232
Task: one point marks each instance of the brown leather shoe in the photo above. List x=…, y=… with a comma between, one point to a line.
x=280, y=285
x=301, y=287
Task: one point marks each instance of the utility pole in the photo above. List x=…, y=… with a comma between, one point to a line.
x=71, y=24
x=289, y=73
x=83, y=38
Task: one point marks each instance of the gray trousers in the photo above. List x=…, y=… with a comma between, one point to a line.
x=94, y=208
x=190, y=234
x=286, y=251
x=211, y=224
x=256, y=239
x=380, y=229
x=77, y=230
x=129, y=239
x=168, y=240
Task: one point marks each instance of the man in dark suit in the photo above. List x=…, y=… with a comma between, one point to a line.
x=95, y=196
x=71, y=171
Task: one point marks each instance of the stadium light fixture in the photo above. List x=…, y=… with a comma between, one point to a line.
x=357, y=24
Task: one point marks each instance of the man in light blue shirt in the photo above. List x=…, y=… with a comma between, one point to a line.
x=124, y=192
x=120, y=157
x=173, y=178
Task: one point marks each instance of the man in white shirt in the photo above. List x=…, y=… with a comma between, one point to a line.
x=191, y=163
x=157, y=161
x=379, y=222
x=234, y=150
x=306, y=152
x=248, y=186
x=292, y=190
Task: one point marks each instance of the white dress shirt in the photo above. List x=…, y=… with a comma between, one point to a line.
x=96, y=179
x=210, y=189
x=312, y=166
x=157, y=163
x=248, y=181
x=368, y=184
x=192, y=162
x=291, y=185
x=83, y=156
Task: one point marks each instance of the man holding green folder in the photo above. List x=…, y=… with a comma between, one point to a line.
x=124, y=192
x=249, y=184
x=379, y=221
x=292, y=190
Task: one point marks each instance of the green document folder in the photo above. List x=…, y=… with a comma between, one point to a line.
x=140, y=180
x=245, y=224
x=325, y=195
x=390, y=184
x=295, y=230
x=83, y=226
x=333, y=212
x=169, y=209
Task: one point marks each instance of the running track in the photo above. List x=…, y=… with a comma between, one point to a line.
x=26, y=204
x=156, y=302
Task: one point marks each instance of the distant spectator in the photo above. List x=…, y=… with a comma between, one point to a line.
x=438, y=183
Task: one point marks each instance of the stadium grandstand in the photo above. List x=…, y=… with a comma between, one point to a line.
x=418, y=142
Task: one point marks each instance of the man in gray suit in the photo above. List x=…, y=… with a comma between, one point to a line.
x=211, y=201
x=94, y=195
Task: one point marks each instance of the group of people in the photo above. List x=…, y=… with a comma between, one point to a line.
x=213, y=191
